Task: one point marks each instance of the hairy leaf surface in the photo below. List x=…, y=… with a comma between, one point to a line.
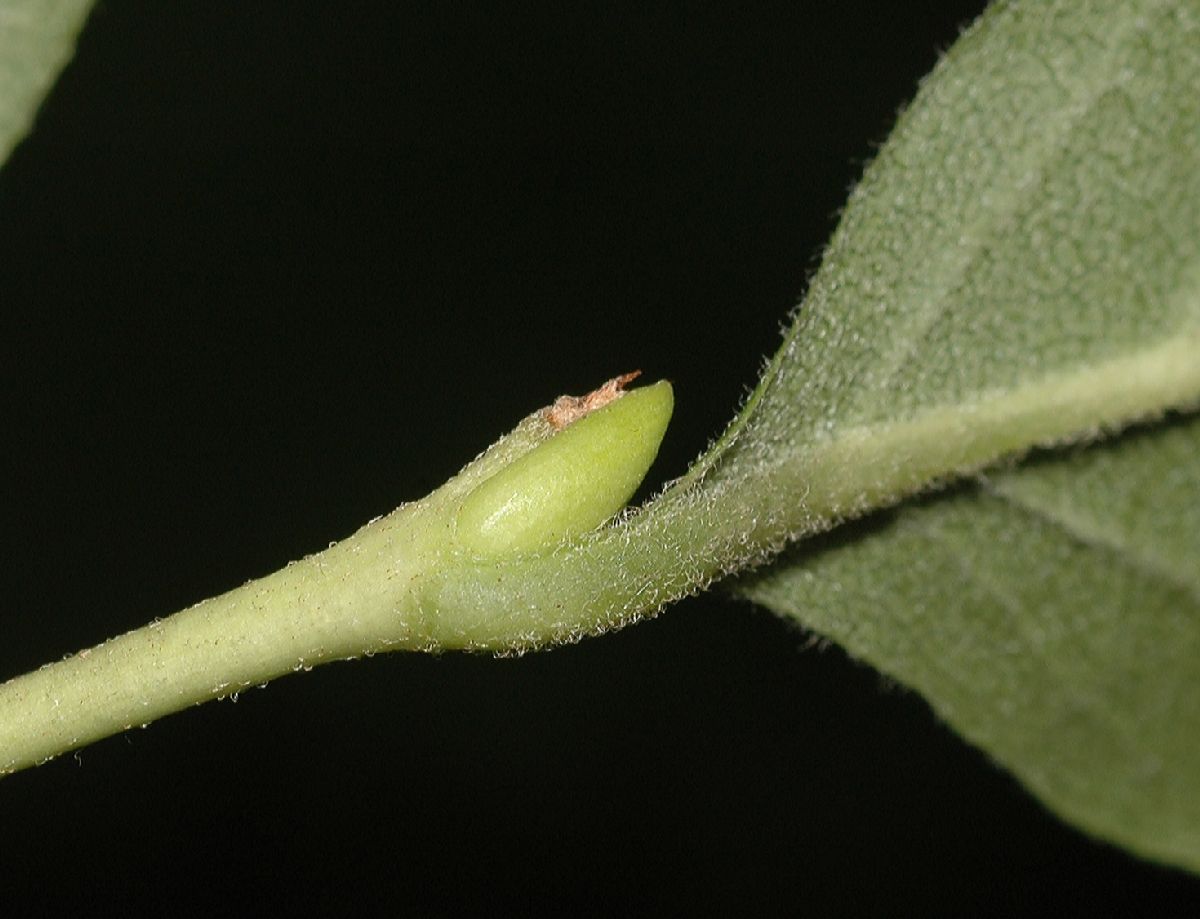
x=1051, y=615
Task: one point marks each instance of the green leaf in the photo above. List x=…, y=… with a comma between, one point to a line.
x=1030, y=237
x=1052, y=616
x=1020, y=259
x=37, y=38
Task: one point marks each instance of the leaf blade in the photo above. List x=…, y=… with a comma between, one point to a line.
x=1004, y=230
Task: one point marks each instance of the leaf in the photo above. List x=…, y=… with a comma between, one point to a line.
x=1025, y=245
x=37, y=38
x=1051, y=616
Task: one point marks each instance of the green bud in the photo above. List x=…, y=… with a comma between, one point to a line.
x=572, y=482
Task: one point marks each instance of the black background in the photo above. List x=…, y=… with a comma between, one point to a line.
x=269, y=270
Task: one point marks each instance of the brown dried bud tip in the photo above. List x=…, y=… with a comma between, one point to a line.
x=571, y=408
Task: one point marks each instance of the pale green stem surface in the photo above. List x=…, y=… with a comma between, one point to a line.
x=362, y=595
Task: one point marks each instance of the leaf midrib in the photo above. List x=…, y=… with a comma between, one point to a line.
x=858, y=469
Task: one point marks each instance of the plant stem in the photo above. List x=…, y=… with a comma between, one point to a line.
x=351, y=599
x=544, y=481
x=410, y=580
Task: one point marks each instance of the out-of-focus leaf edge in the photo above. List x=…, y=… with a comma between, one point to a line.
x=37, y=39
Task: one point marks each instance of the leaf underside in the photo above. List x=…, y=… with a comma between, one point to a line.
x=1051, y=615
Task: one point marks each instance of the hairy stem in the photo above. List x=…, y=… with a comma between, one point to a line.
x=545, y=480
